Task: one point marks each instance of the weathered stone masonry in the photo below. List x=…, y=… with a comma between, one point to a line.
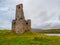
x=20, y=25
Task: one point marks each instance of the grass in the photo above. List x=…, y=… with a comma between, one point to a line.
x=29, y=38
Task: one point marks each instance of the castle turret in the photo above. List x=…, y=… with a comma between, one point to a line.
x=20, y=25
x=19, y=12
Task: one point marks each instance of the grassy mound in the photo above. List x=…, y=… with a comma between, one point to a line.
x=28, y=38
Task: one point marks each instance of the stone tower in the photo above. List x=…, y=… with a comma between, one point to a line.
x=20, y=25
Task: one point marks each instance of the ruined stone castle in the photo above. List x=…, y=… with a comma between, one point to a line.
x=20, y=25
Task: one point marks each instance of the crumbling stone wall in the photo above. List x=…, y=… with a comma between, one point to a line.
x=13, y=25
x=28, y=25
x=20, y=25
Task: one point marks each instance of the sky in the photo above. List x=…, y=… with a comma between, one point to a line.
x=44, y=14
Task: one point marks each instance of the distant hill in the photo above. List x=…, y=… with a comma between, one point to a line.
x=46, y=31
x=51, y=31
x=36, y=30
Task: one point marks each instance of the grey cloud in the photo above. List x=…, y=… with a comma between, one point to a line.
x=41, y=11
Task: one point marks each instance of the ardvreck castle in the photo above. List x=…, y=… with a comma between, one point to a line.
x=20, y=25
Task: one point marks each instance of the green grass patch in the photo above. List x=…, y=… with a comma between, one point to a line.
x=29, y=38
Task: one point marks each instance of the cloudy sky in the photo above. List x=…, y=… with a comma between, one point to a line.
x=44, y=14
